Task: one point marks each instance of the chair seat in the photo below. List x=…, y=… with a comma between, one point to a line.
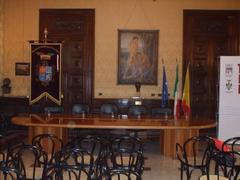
x=213, y=177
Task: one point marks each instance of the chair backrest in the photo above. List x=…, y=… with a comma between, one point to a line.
x=66, y=172
x=126, y=142
x=189, y=156
x=136, y=110
x=28, y=160
x=92, y=144
x=48, y=143
x=126, y=159
x=80, y=108
x=223, y=163
x=108, y=109
x=232, y=144
x=161, y=111
x=53, y=110
x=70, y=163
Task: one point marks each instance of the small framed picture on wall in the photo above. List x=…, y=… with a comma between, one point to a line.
x=22, y=69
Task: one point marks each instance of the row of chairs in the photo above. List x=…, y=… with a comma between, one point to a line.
x=133, y=110
x=215, y=160
x=86, y=157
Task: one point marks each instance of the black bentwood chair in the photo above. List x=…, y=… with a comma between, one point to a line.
x=93, y=145
x=232, y=147
x=10, y=173
x=125, y=159
x=75, y=164
x=9, y=170
x=48, y=143
x=219, y=166
x=126, y=142
x=190, y=156
x=29, y=160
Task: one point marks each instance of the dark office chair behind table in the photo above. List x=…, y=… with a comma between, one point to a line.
x=111, y=110
x=136, y=110
x=80, y=109
x=161, y=111
x=53, y=110
x=108, y=109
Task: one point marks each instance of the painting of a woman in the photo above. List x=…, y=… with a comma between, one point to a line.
x=137, y=58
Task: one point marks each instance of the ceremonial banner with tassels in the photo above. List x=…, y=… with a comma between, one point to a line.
x=45, y=71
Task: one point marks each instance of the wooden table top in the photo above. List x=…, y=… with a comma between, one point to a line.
x=106, y=122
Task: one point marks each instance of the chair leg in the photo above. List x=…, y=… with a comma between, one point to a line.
x=181, y=172
x=236, y=175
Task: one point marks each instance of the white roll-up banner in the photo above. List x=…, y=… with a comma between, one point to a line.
x=229, y=97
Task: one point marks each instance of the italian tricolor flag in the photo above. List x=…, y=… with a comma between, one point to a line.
x=186, y=95
x=176, y=109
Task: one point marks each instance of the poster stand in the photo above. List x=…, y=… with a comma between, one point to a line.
x=229, y=97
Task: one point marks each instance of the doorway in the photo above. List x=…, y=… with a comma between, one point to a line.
x=75, y=28
x=208, y=34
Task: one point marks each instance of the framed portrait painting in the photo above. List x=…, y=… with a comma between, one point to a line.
x=137, y=56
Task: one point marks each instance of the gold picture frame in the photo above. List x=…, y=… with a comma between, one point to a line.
x=137, y=56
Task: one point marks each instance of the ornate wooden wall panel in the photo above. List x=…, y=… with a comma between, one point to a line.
x=76, y=28
x=207, y=36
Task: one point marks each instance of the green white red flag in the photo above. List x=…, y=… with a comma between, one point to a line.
x=176, y=109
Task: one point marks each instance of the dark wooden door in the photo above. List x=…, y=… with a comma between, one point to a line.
x=207, y=36
x=75, y=27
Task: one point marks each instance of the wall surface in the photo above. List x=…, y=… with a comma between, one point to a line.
x=21, y=25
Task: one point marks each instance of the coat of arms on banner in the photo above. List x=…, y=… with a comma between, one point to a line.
x=228, y=77
x=45, y=71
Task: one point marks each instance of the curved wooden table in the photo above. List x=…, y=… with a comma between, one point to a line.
x=172, y=130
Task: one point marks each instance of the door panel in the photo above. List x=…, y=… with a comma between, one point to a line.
x=207, y=36
x=75, y=28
